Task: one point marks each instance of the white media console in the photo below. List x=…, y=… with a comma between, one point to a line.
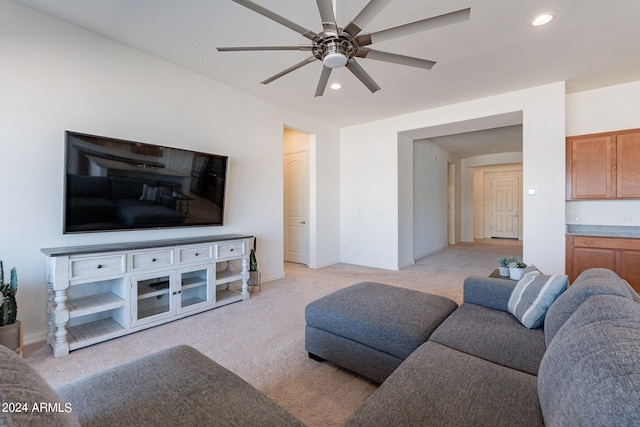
x=100, y=292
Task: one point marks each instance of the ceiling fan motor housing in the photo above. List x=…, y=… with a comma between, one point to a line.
x=334, y=50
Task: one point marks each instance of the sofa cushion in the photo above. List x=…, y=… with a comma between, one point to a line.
x=439, y=386
x=591, y=282
x=28, y=398
x=533, y=295
x=492, y=335
x=488, y=292
x=178, y=386
x=590, y=374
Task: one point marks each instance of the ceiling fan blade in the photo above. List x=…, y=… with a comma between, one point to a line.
x=324, y=78
x=365, y=16
x=290, y=69
x=275, y=17
x=395, y=58
x=302, y=47
x=362, y=75
x=328, y=16
x=415, y=27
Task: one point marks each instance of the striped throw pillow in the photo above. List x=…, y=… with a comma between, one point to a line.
x=151, y=194
x=533, y=295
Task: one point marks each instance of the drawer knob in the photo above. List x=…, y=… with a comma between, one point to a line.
x=231, y=249
x=99, y=265
x=154, y=260
x=197, y=254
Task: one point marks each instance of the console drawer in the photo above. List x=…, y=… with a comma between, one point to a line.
x=195, y=254
x=228, y=250
x=151, y=259
x=102, y=265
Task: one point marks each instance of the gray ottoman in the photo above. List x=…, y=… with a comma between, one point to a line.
x=370, y=328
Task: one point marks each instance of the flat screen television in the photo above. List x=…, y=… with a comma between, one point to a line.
x=113, y=184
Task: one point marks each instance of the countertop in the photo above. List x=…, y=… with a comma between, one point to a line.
x=620, y=231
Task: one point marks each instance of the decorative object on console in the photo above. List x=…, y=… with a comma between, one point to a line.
x=254, y=274
x=10, y=327
x=253, y=263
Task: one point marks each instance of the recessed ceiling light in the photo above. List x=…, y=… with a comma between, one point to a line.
x=335, y=86
x=543, y=19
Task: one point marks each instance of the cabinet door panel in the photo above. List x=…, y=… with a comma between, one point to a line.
x=152, y=297
x=585, y=258
x=592, y=170
x=630, y=268
x=628, y=161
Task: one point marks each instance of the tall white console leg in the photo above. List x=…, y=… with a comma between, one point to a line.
x=60, y=319
x=245, y=279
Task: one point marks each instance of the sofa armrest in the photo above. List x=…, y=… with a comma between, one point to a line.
x=488, y=292
x=172, y=387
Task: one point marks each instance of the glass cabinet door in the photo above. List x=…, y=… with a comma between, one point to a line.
x=194, y=289
x=152, y=297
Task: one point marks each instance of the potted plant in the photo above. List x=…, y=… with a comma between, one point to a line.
x=504, y=265
x=515, y=269
x=254, y=274
x=10, y=328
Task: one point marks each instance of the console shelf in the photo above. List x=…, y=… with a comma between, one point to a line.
x=227, y=276
x=100, y=292
x=93, y=304
x=93, y=332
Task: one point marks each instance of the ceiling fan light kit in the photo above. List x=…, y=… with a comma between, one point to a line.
x=335, y=60
x=339, y=47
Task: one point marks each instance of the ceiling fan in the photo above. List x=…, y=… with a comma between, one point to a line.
x=338, y=47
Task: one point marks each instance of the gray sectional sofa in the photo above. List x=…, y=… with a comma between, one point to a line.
x=480, y=367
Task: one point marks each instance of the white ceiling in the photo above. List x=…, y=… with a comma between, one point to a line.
x=590, y=44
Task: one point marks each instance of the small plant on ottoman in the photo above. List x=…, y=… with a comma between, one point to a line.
x=504, y=265
x=515, y=269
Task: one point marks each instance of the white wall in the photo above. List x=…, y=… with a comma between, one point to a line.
x=370, y=177
x=429, y=198
x=603, y=110
x=56, y=77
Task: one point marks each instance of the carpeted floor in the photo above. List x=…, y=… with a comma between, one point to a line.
x=262, y=339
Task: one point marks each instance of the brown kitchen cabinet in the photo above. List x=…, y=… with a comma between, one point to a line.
x=621, y=255
x=603, y=166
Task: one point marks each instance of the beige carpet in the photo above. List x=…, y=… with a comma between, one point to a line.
x=262, y=339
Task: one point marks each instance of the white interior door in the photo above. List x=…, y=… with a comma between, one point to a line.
x=296, y=206
x=505, y=202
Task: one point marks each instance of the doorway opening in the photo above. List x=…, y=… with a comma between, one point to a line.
x=454, y=208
